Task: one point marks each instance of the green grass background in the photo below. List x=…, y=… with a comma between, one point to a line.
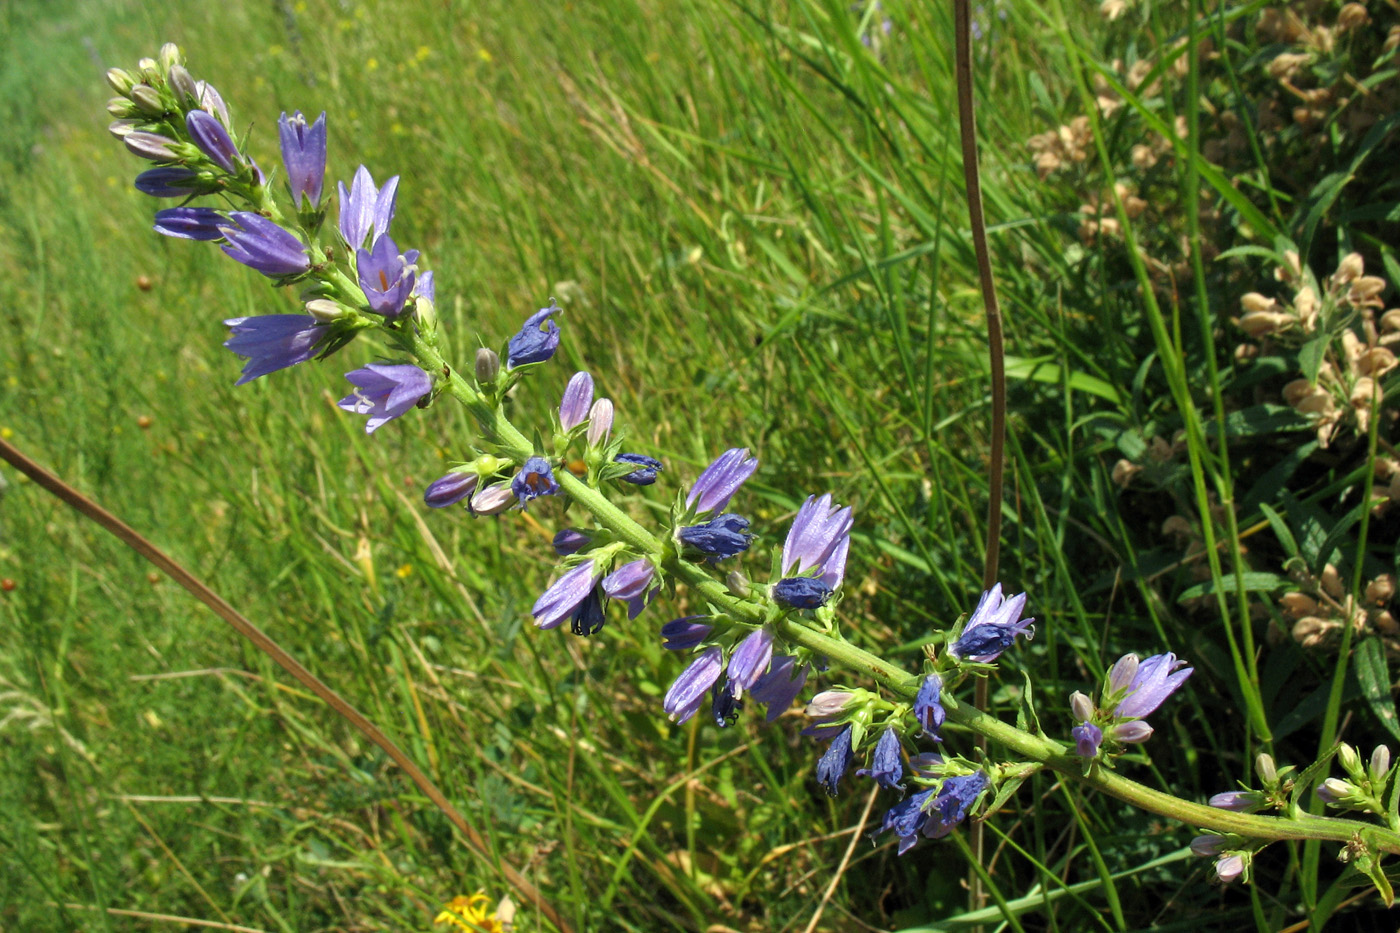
x=754, y=224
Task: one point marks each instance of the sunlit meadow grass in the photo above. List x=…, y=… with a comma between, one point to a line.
x=754, y=223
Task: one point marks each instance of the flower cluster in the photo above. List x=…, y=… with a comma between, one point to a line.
x=1132, y=690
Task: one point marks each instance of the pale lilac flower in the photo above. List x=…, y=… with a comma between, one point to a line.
x=1240, y=801
x=885, y=769
x=993, y=628
x=191, y=223
x=819, y=538
x=492, y=500
x=780, y=686
x=928, y=708
x=1229, y=868
x=151, y=146
x=688, y=691
x=270, y=342
x=1132, y=733
x=1152, y=683
x=1334, y=791
x=213, y=140
x=1123, y=672
x=384, y=392
x=211, y=101
x=365, y=208
x=304, y=155
x=721, y=479
x=750, y=659
x=386, y=276
x=1087, y=738
x=630, y=581
x=564, y=596
x=260, y=244
x=1081, y=706
x=537, y=339
x=828, y=704
x=450, y=489
x=684, y=633
x=1208, y=846
x=578, y=395
x=600, y=421
x=832, y=765
x=425, y=287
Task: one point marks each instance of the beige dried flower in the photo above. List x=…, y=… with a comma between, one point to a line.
x=1292, y=268
x=1297, y=605
x=1381, y=590
x=1263, y=323
x=1312, y=631
x=1351, y=268
x=1331, y=581
x=1365, y=292
x=1286, y=64
x=1143, y=157
x=1124, y=472
x=1306, y=305
x=1112, y=9
x=1178, y=529
x=1352, y=16
x=1392, y=39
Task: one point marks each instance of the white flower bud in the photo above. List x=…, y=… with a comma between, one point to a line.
x=600, y=422
x=324, y=310
x=1265, y=768
x=828, y=703
x=1380, y=763
x=1081, y=707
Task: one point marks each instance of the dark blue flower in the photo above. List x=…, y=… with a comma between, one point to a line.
x=885, y=769
x=907, y=817
x=725, y=704
x=260, y=244
x=535, y=479
x=720, y=538
x=928, y=709
x=993, y=628
x=304, y=155
x=780, y=686
x=213, y=140
x=801, y=592
x=450, y=489
x=588, y=617
x=191, y=223
x=684, y=633
x=169, y=181
x=271, y=342
x=569, y=541
x=834, y=762
x=955, y=798
x=645, y=475
x=537, y=339
x=386, y=276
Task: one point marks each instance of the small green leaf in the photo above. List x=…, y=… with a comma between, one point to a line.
x=1026, y=718
x=1374, y=677
x=1281, y=529
x=1254, y=582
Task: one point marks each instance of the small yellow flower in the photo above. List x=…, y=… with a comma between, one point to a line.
x=469, y=914
x=404, y=572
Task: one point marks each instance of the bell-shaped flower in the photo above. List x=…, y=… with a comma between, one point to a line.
x=780, y=686
x=384, y=392
x=928, y=707
x=629, y=582
x=569, y=541
x=802, y=592
x=725, y=703
x=886, y=768
x=721, y=479
x=564, y=596
x=169, y=181
x=1087, y=738
x=304, y=156
x=689, y=689
x=270, y=342
x=213, y=140
x=386, y=275
x=578, y=395
x=365, y=209
x=1154, y=680
x=450, y=489
x=717, y=539
x=750, y=659
x=832, y=765
x=645, y=472
x=819, y=538
x=537, y=339
x=588, y=617
x=535, y=479
x=191, y=223
x=260, y=244
x=684, y=633
x=993, y=627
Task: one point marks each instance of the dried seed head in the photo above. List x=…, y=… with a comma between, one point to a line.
x=1298, y=605
x=1381, y=590
x=1352, y=16
x=1331, y=582
x=1123, y=473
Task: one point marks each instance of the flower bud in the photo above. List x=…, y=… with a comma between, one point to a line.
x=1334, y=790
x=123, y=128
x=1348, y=759
x=1351, y=268
x=1255, y=302
x=1207, y=846
x=120, y=80
x=569, y=541
x=578, y=395
x=737, y=583
x=1266, y=769
x=1132, y=733
x=122, y=108
x=600, y=421
x=148, y=69
x=488, y=365
x=1240, y=801
x=1081, y=707
x=1122, y=673
x=183, y=84
x=1381, y=590
x=324, y=310
x=147, y=99
x=169, y=56
x=487, y=464
x=828, y=703
x=1230, y=868
x=492, y=500
x=1380, y=763
x=151, y=146
x=450, y=489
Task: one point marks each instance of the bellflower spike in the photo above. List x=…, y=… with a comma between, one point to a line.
x=365, y=209
x=1155, y=679
x=578, y=395
x=802, y=593
x=750, y=660
x=1087, y=738
x=723, y=537
x=386, y=276
x=588, y=618
x=780, y=686
x=928, y=709
x=271, y=342
x=993, y=628
x=819, y=537
x=885, y=767
x=535, y=479
x=537, y=340
x=384, y=392
x=834, y=762
x=629, y=581
x=191, y=223
x=684, y=633
x=213, y=140
x=450, y=489
x=688, y=691
x=304, y=155
x=647, y=468
x=260, y=244
x=168, y=181
x=721, y=479
x=564, y=596
x=569, y=541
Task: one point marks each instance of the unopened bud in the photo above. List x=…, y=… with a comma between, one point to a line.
x=122, y=108
x=600, y=422
x=169, y=56
x=493, y=499
x=1122, y=673
x=123, y=128
x=1352, y=16
x=1230, y=868
x=1132, y=733
x=488, y=366
x=489, y=464
x=147, y=99
x=1381, y=590
x=120, y=80
x=183, y=84
x=828, y=703
x=148, y=69
x=1380, y=763
x=1253, y=301
x=1265, y=768
x=1351, y=267
x=1081, y=707
x=737, y=583
x=1207, y=846
x=151, y=146
x=324, y=310
x=1334, y=790
x=1348, y=759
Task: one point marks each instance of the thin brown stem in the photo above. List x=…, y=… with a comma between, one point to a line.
x=197, y=588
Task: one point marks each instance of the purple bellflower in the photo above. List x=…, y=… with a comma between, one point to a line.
x=386, y=276
x=578, y=395
x=168, y=181
x=271, y=342
x=569, y=541
x=801, y=593
x=588, y=616
x=720, y=538
x=720, y=480
x=1154, y=680
x=260, y=244
x=191, y=223
x=213, y=140
x=934, y=815
x=645, y=472
x=535, y=479
x=537, y=340
x=304, y=155
x=384, y=392
x=831, y=767
x=426, y=287
x=365, y=208
x=631, y=583
x=780, y=686
x=211, y=101
x=688, y=691
x=750, y=659
x=1087, y=738
x=993, y=628
x=450, y=489
x=566, y=594
x=928, y=708
x=819, y=538
x=684, y=633
x=725, y=703
x=885, y=767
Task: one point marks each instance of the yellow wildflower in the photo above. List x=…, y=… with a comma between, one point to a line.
x=469, y=914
